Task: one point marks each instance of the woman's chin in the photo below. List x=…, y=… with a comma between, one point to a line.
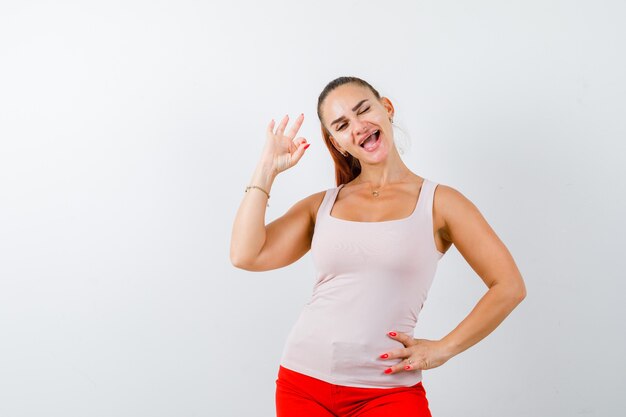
x=377, y=156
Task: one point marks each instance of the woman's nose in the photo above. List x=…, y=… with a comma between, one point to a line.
x=359, y=127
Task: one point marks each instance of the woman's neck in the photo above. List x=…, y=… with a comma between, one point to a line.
x=382, y=174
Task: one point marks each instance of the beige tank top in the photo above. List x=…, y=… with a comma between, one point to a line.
x=372, y=278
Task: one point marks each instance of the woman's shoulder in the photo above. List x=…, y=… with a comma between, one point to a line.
x=451, y=208
x=314, y=201
x=450, y=198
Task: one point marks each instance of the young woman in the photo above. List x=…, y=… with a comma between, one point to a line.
x=376, y=240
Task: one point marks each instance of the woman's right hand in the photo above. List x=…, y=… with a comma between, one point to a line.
x=283, y=150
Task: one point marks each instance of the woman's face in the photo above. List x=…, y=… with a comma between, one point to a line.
x=358, y=122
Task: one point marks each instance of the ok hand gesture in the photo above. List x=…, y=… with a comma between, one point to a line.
x=282, y=150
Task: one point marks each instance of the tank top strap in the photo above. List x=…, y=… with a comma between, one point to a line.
x=327, y=202
x=426, y=197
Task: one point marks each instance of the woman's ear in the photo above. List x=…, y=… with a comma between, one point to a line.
x=388, y=106
x=336, y=145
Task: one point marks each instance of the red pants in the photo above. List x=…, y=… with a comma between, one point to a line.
x=299, y=395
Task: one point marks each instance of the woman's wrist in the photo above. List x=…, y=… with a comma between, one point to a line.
x=451, y=348
x=263, y=176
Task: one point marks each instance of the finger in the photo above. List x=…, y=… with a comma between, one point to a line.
x=399, y=367
x=299, y=140
x=295, y=157
x=406, y=365
x=413, y=364
x=270, y=127
x=281, y=127
x=403, y=338
x=293, y=130
x=395, y=354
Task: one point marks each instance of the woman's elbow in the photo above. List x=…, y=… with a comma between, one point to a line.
x=239, y=261
x=247, y=263
x=512, y=292
x=518, y=293
x=236, y=262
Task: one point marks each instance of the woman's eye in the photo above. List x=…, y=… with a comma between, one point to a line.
x=340, y=127
x=364, y=110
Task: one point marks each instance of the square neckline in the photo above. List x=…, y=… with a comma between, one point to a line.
x=409, y=217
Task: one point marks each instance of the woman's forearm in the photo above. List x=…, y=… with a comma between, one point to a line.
x=488, y=313
x=248, y=235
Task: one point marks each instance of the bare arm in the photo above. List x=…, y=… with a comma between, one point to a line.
x=490, y=259
x=255, y=246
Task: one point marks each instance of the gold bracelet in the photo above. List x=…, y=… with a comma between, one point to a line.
x=259, y=188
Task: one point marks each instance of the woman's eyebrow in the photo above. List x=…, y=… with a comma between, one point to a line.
x=353, y=109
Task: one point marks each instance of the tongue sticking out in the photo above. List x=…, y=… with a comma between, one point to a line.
x=370, y=142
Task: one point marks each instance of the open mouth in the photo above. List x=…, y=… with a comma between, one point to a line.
x=371, y=141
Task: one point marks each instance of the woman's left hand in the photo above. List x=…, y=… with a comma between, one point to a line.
x=417, y=354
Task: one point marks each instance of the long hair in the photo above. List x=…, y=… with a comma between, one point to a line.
x=347, y=168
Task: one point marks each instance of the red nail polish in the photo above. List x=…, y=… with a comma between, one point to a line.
x=393, y=334
x=384, y=356
x=307, y=145
x=388, y=370
x=407, y=367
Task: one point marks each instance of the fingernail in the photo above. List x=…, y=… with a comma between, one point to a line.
x=384, y=356
x=407, y=367
x=393, y=334
x=388, y=370
x=307, y=145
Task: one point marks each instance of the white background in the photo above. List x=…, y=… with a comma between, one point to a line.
x=129, y=130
